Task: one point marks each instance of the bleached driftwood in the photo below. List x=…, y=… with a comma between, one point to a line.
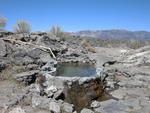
x=28, y=43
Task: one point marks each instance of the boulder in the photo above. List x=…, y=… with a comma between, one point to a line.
x=4, y=33
x=23, y=60
x=59, y=95
x=35, y=88
x=35, y=53
x=69, y=108
x=48, y=67
x=54, y=107
x=45, y=57
x=40, y=102
x=138, y=57
x=51, y=89
x=21, y=36
x=27, y=77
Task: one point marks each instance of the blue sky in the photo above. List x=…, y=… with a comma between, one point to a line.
x=75, y=15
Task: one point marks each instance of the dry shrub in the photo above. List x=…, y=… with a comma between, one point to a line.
x=84, y=43
x=56, y=31
x=109, y=46
x=92, y=49
x=135, y=44
x=3, y=21
x=8, y=72
x=22, y=26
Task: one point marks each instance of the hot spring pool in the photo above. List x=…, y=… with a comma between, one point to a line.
x=75, y=70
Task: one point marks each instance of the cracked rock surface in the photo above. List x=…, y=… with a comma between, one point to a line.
x=27, y=84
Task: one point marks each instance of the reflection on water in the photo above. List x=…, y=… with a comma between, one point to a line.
x=75, y=70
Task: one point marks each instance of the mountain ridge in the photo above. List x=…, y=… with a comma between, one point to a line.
x=115, y=33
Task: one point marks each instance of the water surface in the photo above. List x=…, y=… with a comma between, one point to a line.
x=75, y=70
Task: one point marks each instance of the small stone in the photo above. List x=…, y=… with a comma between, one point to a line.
x=47, y=67
x=59, y=94
x=52, y=89
x=36, y=101
x=40, y=102
x=50, y=94
x=68, y=107
x=85, y=110
x=34, y=88
x=95, y=104
x=75, y=112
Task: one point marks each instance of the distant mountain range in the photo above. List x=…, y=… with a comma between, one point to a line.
x=115, y=34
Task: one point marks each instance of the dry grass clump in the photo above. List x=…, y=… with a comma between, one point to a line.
x=56, y=31
x=8, y=72
x=3, y=21
x=22, y=26
x=114, y=43
x=135, y=44
x=91, y=49
x=84, y=43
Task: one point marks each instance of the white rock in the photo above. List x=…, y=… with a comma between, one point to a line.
x=34, y=88
x=54, y=107
x=75, y=112
x=85, y=110
x=68, y=107
x=17, y=110
x=95, y=104
x=36, y=101
x=52, y=88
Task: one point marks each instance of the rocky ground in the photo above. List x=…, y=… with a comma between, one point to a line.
x=128, y=80
x=27, y=84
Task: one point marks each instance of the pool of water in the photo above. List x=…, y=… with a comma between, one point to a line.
x=75, y=70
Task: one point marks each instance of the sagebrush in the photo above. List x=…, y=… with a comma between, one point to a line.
x=57, y=31
x=22, y=26
x=3, y=21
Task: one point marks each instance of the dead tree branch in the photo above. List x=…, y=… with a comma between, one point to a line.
x=31, y=44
